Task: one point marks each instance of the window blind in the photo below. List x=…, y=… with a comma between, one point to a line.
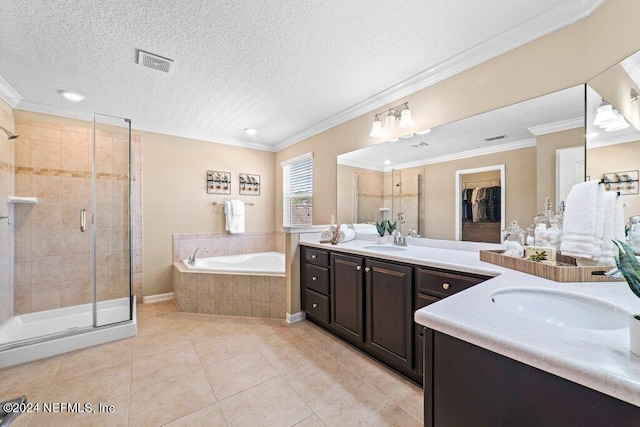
x=297, y=191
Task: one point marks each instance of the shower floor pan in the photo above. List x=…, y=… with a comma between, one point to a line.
x=34, y=336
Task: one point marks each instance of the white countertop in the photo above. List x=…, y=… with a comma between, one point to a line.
x=598, y=359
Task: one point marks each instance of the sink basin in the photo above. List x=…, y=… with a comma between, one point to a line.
x=385, y=248
x=562, y=309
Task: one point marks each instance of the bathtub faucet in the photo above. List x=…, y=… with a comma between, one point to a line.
x=192, y=259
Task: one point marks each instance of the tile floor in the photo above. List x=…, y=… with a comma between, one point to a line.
x=206, y=370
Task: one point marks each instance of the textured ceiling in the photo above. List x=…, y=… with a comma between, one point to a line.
x=287, y=68
x=519, y=122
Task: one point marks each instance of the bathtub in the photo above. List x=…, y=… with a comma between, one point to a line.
x=254, y=264
x=251, y=285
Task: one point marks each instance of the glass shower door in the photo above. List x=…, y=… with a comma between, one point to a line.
x=112, y=273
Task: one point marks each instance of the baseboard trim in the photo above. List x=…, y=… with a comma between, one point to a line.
x=149, y=299
x=295, y=317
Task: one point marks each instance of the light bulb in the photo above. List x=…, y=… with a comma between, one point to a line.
x=376, y=128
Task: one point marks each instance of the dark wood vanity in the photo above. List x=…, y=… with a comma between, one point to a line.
x=369, y=302
x=467, y=385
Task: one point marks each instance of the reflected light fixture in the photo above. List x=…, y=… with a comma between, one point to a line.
x=71, y=96
x=608, y=118
x=399, y=116
x=250, y=131
x=424, y=132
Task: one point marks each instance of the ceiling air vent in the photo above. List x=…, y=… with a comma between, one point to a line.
x=156, y=62
x=419, y=144
x=493, y=138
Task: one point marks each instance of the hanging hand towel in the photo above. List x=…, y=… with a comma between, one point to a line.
x=579, y=228
x=234, y=212
x=601, y=207
x=606, y=249
x=618, y=220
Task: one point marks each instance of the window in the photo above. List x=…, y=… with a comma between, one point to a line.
x=297, y=191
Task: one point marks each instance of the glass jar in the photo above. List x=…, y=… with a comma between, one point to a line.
x=547, y=228
x=514, y=238
x=634, y=233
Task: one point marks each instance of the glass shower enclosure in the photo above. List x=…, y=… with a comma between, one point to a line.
x=69, y=241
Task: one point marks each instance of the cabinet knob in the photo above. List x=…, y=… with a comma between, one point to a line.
x=314, y=305
x=314, y=256
x=314, y=278
x=445, y=286
x=358, y=267
x=367, y=269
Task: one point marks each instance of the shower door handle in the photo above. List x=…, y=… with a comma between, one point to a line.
x=83, y=220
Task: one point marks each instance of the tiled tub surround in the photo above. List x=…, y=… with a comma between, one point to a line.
x=53, y=163
x=229, y=294
x=220, y=244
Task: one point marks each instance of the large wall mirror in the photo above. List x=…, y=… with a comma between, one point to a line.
x=505, y=162
x=613, y=139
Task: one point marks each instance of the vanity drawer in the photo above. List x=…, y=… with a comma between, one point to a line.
x=317, y=306
x=444, y=284
x=317, y=278
x=316, y=256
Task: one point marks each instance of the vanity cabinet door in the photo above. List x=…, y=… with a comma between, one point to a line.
x=389, y=312
x=347, y=297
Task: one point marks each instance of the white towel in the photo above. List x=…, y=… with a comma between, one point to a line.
x=579, y=228
x=607, y=253
x=234, y=216
x=344, y=235
x=601, y=207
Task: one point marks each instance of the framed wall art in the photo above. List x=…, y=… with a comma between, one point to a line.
x=249, y=184
x=218, y=182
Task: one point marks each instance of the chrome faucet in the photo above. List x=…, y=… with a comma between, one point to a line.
x=192, y=259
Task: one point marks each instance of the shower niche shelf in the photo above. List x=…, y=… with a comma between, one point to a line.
x=31, y=200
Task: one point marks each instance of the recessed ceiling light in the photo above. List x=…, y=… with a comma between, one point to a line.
x=250, y=131
x=592, y=134
x=387, y=162
x=71, y=96
x=424, y=132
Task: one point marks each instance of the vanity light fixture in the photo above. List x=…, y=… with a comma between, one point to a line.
x=399, y=116
x=71, y=96
x=250, y=131
x=608, y=118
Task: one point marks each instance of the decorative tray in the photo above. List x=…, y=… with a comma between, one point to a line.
x=565, y=269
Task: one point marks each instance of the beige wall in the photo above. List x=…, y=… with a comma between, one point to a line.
x=560, y=60
x=176, y=200
x=616, y=158
x=546, y=146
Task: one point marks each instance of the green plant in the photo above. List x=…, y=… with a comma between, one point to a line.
x=629, y=266
x=381, y=227
x=391, y=227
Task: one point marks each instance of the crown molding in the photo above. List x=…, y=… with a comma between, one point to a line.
x=498, y=45
x=614, y=140
x=526, y=143
x=356, y=164
x=145, y=127
x=557, y=126
x=7, y=93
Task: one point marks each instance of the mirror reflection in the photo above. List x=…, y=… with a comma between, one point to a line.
x=521, y=151
x=613, y=139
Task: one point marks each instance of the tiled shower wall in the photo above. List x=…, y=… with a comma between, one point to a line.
x=52, y=258
x=220, y=244
x=6, y=234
